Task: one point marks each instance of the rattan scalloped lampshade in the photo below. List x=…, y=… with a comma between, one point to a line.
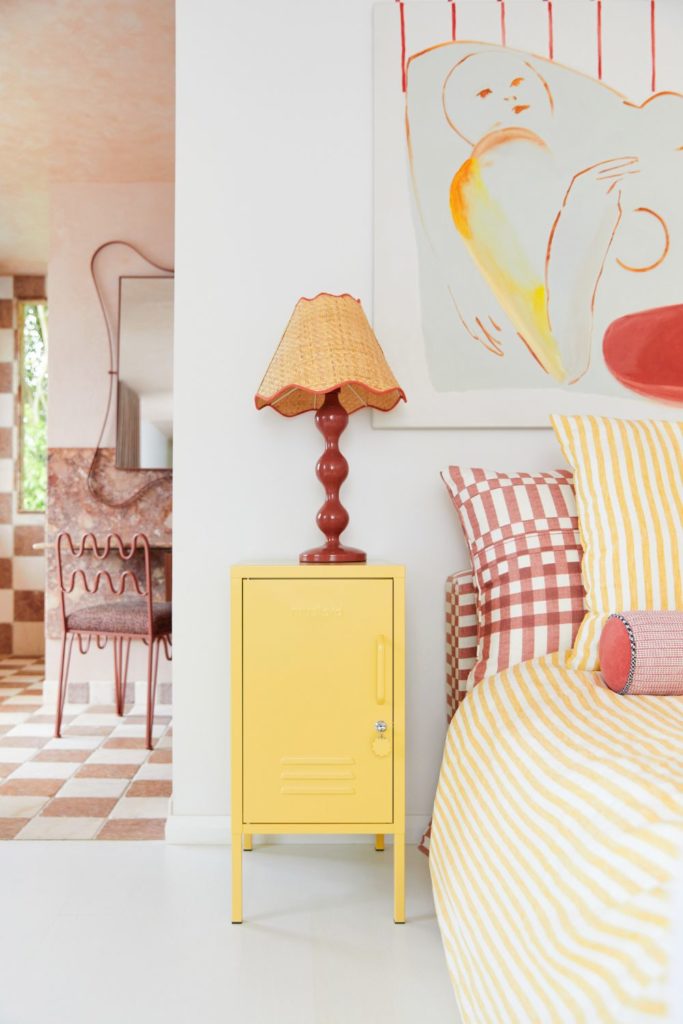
x=328, y=344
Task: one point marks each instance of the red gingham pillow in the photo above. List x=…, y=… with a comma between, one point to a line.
x=523, y=534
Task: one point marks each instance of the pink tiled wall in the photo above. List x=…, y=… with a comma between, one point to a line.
x=22, y=570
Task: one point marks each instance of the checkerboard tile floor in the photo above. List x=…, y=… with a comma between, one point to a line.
x=97, y=782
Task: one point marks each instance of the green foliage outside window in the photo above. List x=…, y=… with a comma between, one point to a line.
x=33, y=423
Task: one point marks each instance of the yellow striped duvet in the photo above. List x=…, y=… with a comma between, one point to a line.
x=558, y=825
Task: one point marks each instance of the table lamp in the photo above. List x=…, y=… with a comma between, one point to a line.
x=330, y=361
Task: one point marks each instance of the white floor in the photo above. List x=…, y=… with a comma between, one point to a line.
x=100, y=933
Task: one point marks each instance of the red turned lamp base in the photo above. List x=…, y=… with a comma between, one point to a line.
x=330, y=553
x=332, y=470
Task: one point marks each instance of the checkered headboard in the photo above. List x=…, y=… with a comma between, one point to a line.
x=461, y=648
x=461, y=636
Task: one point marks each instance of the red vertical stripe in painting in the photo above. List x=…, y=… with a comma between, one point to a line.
x=599, y=17
x=402, y=14
x=454, y=20
x=503, y=33
x=551, y=40
x=653, y=45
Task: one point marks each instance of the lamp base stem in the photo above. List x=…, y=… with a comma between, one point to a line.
x=332, y=470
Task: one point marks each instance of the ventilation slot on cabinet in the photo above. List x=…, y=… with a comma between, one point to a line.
x=317, y=776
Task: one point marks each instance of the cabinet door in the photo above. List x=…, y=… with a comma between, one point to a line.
x=317, y=675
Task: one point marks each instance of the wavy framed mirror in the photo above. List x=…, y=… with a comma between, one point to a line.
x=136, y=298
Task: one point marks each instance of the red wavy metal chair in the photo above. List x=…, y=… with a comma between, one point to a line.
x=121, y=619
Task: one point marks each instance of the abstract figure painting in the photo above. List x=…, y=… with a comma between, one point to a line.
x=529, y=214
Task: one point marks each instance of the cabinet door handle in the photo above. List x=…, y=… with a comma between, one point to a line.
x=381, y=670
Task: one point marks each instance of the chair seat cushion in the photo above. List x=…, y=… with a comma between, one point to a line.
x=129, y=616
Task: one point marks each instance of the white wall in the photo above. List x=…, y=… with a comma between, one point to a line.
x=274, y=201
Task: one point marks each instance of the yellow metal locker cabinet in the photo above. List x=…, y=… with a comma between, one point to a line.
x=318, y=706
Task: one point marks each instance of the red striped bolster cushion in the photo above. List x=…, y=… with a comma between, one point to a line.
x=642, y=652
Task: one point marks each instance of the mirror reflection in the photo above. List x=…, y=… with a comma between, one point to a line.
x=144, y=434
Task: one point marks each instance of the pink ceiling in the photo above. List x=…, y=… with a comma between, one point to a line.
x=86, y=95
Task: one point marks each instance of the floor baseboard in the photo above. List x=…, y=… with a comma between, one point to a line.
x=214, y=830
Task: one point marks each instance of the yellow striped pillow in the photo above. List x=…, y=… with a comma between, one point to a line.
x=628, y=477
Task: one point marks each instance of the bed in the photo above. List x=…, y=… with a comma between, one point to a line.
x=556, y=840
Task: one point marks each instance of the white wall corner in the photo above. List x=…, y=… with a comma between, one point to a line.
x=197, y=829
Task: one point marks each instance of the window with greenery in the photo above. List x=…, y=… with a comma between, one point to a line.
x=33, y=406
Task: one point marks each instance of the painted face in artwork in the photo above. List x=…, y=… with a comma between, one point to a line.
x=489, y=92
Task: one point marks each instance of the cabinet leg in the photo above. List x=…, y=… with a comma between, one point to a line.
x=379, y=843
x=237, y=878
x=248, y=847
x=399, y=878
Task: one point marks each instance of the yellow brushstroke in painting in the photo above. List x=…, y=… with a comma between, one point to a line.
x=495, y=249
